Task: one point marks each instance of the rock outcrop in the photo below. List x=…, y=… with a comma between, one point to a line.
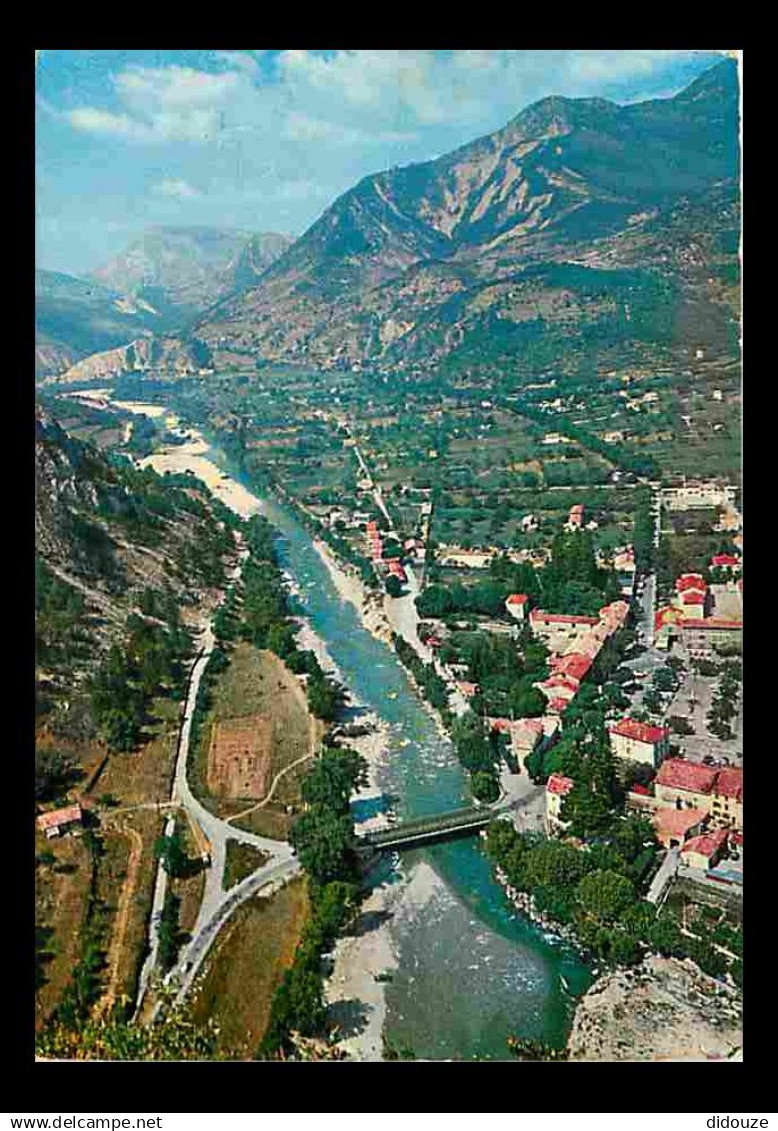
x=664, y=1009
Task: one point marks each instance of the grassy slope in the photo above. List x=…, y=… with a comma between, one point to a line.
x=247, y=965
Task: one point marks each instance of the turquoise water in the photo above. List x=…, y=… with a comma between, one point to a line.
x=471, y=969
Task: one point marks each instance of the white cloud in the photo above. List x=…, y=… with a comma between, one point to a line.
x=175, y=188
x=163, y=105
x=239, y=61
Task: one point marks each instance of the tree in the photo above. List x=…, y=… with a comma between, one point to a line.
x=394, y=586
x=54, y=772
x=605, y=895
x=485, y=785
x=323, y=841
x=174, y=859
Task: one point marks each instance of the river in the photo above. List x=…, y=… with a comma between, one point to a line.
x=471, y=970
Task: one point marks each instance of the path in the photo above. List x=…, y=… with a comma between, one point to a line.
x=261, y=804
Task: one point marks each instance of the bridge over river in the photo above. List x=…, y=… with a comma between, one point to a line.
x=424, y=830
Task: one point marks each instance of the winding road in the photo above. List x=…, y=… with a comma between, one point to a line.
x=216, y=905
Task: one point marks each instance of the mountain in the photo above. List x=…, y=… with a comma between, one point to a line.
x=552, y=219
x=166, y=355
x=105, y=532
x=74, y=318
x=181, y=271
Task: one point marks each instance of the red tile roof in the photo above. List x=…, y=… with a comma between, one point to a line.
x=558, y=783
x=690, y=776
x=640, y=732
x=676, y=822
x=578, y=508
x=526, y=732
x=720, y=560
x=503, y=726
x=568, y=682
x=575, y=665
x=692, y=597
x=708, y=844
x=560, y=618
x=690, y=581
x=640, y=790
x=517, y=599
x=557, y=705
x=466, y=687
x=57, y=817
x=729, y=783
x=668, y=615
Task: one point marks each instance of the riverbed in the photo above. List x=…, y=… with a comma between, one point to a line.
x=461, y=968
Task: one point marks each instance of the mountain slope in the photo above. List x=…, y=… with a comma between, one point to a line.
x=104, y=534
x=414, y=261
x=74, y=318
x=182, y=270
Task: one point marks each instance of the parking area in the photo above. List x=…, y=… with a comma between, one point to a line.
x=692, y=702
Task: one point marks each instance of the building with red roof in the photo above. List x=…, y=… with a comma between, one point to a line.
x=516, y=605
x=502, y=726
x=557, y=706
x=685, y=783
x=690, y=581
x=705, y=851
x=537, y=616
x=725, y=561
x=639, y=742
x=700, y=635
x=557, y=788
x=674, y=826
x=727, y=804
x=528, y=735
x=574, y=664
x=468, y=689
x=58, y=821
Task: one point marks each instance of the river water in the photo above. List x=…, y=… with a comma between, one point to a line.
x=471, y=969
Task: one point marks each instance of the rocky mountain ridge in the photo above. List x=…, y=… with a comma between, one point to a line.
x=75, y=318
x=182, y=270
x=413, y=261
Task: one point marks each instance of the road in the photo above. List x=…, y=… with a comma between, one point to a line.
x=216, y=905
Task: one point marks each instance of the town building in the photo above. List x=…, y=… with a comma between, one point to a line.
x=674, y=826
x=728, y=562
x=516, y=605
x=639, y=742
x=468, y=689
x=700, y=637
x=692, y=596
x=557, y=789
x=60, y=821
x=727, y=804
x=685, y=784
x=705, y=851
x=530, y=735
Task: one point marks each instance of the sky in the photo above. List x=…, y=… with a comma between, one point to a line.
x=263, y=140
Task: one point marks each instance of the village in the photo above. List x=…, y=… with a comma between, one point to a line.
x=675, y=735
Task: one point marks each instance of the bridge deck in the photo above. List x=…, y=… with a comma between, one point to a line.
x=427, y=828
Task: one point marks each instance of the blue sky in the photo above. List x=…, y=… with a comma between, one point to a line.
x=266, y=140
